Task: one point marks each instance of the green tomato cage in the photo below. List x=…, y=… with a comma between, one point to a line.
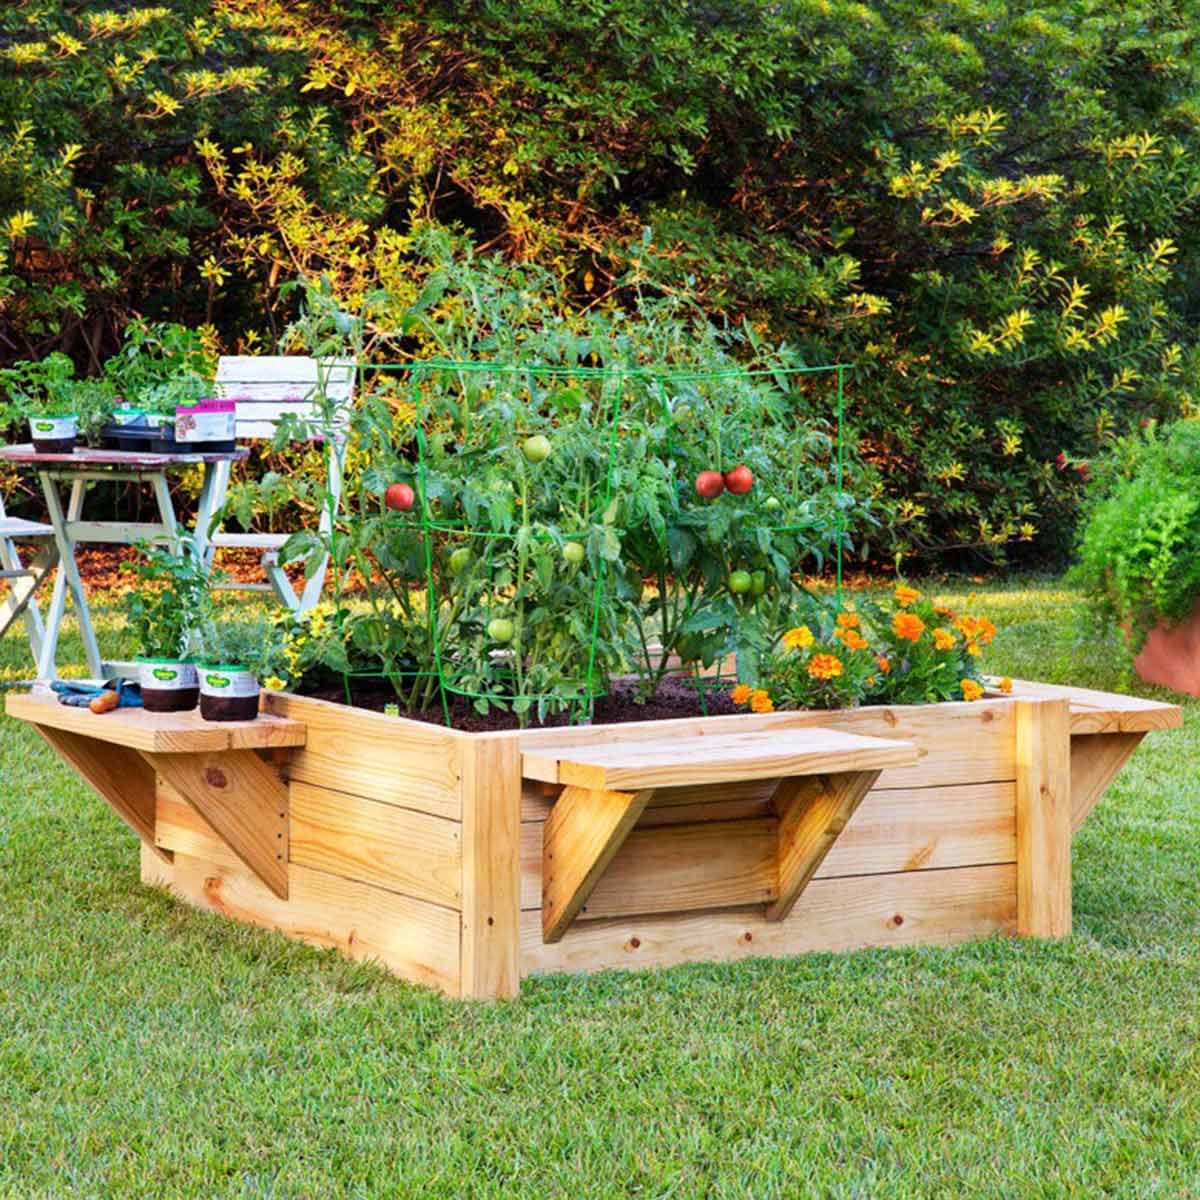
x=497, y=525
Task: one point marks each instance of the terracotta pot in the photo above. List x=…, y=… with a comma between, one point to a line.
x=1171, y=656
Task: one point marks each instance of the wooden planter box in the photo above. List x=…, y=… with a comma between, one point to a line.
x=468, y=861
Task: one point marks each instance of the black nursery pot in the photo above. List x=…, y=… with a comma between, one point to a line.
x=168, y=685
x=228, y=693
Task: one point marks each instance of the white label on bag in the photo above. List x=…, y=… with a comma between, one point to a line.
x=167, y=676
x=193, y=426
x=47, y=429
x=216, y=681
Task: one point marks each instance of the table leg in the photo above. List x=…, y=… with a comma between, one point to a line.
x=166, y=511
x=68, y=578
x=212, y=497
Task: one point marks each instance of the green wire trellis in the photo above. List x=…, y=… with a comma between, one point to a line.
x=580, y=701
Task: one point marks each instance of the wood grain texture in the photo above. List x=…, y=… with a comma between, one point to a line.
x=898, y=829
x=1102, y=712
x=1096, y=761
x=714, y=758
x=388, y=759
x=1043, y=753
x=958, y=743
x=156, y=733
x=413, y=939
x=491, y=881
x=243, y=799
x=396, y=848
x=915, y=829
x=683, y=868
x=812, y=814
x=579, y=840
x=179, y=828
x=920, y=908
x=115, y=773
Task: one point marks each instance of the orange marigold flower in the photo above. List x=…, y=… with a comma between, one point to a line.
x=847, y=620
x=987, y=631
x=908, y=626
x=943, y=639
x=852, y=639
x=905, y=595
x=741, y=694
x=760, y=702
x=825, y=666
x=970, y=689
x=884, y=662
x=972, y=648
x=1006, y=685
x=799, y=638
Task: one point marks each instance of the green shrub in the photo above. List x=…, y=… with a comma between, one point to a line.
x=990, y=209
x=1139, y=546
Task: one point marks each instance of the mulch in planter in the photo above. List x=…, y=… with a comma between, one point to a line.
x=673, y=699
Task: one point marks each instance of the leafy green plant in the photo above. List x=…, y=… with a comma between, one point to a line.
x=257, y=645
x=170, y=607
x=1139, y=545
x=159, y=366
x=41, y=388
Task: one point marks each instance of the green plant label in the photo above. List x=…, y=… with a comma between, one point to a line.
x=44, y=426
x=166, y=674
x=217, y=681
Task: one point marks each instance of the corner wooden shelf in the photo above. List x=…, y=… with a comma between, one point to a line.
x=822, y=776
x=130, y=755
x=1105, y=730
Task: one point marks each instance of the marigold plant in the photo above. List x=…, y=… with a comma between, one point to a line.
x=901, y=651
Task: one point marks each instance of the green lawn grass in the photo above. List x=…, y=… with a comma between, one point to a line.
x=147, y=1050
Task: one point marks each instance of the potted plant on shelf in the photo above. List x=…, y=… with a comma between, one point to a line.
x=168, y=610
x=233, y=660
x=1139, y=551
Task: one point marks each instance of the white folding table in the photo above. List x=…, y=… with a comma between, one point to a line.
x=84, y=467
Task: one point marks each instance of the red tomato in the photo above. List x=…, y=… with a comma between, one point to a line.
x=399, y=496
x=740, y=480
x=710, y=484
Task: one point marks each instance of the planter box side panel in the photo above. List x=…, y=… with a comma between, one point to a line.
x=928, y=857
x=374, y=880
x=918, y=908
x=385, y=759
x=411, y=938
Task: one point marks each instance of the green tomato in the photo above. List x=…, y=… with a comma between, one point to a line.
x=771, y=504
x=758, y=582
x=459, y=560
x=572, y=552
x=537, y=448
x=500, y=629
x=740, y=582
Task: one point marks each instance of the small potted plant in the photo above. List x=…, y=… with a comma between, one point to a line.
x=168, y=610
x=1139, y=551
x=42, y=393
x=234, y=658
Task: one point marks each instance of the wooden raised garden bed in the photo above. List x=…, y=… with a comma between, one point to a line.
x=468, y=861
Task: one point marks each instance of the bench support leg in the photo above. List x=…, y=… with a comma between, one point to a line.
x=813, y=810
x=584, y=830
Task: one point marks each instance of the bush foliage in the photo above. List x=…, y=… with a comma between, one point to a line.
x=989, y=208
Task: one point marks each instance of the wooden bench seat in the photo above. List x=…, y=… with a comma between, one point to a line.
x=823, y=775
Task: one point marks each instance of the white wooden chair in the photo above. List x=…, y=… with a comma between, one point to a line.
x=266, y=389
x=24, y=581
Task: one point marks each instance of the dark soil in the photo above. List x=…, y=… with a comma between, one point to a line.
x=673, y=699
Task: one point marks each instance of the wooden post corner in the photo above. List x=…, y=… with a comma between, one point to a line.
x=491, y=868
x=1043, y=773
